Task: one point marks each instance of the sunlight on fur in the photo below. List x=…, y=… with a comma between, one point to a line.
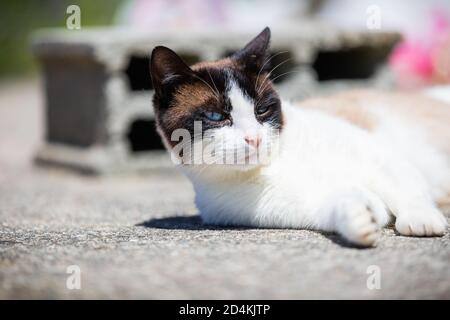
x=349, y=163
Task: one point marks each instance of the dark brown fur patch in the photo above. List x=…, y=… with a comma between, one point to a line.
x=189, y=96
x=218, y=64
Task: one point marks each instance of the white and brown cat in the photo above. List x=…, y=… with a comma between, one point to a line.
x=345, y=164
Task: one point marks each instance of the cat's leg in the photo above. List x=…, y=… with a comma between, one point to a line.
x=356, y=214
x=406, y=193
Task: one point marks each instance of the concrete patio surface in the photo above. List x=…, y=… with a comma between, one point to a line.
x=138, y=236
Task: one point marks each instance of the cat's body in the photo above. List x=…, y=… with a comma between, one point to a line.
x=328, y=162
x=343, y=163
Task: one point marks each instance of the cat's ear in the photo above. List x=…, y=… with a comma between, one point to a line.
x=255, y=53
x=166, y=68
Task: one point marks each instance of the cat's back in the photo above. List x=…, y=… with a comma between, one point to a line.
x=371, y=110
x=412, y=126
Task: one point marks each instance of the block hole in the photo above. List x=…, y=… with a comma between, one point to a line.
x=138, y=71
x=281, y=61
x=355, y=63
x=142, y=136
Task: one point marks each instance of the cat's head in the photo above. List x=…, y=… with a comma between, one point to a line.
x=228, y=107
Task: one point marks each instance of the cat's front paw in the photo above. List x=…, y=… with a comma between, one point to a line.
x=427, y=222
x=359, y=227
x=359, y=219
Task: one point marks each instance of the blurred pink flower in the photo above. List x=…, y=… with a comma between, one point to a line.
x=413, y=59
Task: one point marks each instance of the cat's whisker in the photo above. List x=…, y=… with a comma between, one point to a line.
x=270, y=73
x=212, y=90
x=214, y=84
x=265, y=63
x=280, y=75
x=267, y=78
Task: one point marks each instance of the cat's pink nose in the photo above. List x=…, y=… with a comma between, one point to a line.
x=253, y=140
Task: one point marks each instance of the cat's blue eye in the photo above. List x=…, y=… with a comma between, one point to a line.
x=214, y=116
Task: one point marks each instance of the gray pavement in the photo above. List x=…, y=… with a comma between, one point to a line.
x=138, y=236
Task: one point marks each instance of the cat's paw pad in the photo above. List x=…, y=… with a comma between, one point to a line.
x=360, y=218
x=424, y=223
x=360, y=227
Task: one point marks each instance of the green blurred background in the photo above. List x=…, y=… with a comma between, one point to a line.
x=18, y=19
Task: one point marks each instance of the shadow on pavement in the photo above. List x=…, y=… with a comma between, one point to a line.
x=195, y=223
x=184, y=223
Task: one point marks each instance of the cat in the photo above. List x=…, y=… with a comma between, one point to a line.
x=349, y=163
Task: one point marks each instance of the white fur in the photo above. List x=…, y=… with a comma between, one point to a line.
x=242, y=113
x=329, y=175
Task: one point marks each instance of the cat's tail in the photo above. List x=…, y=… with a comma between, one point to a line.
x=441, y=92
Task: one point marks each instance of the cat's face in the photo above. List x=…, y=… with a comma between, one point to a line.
x=228, y=107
